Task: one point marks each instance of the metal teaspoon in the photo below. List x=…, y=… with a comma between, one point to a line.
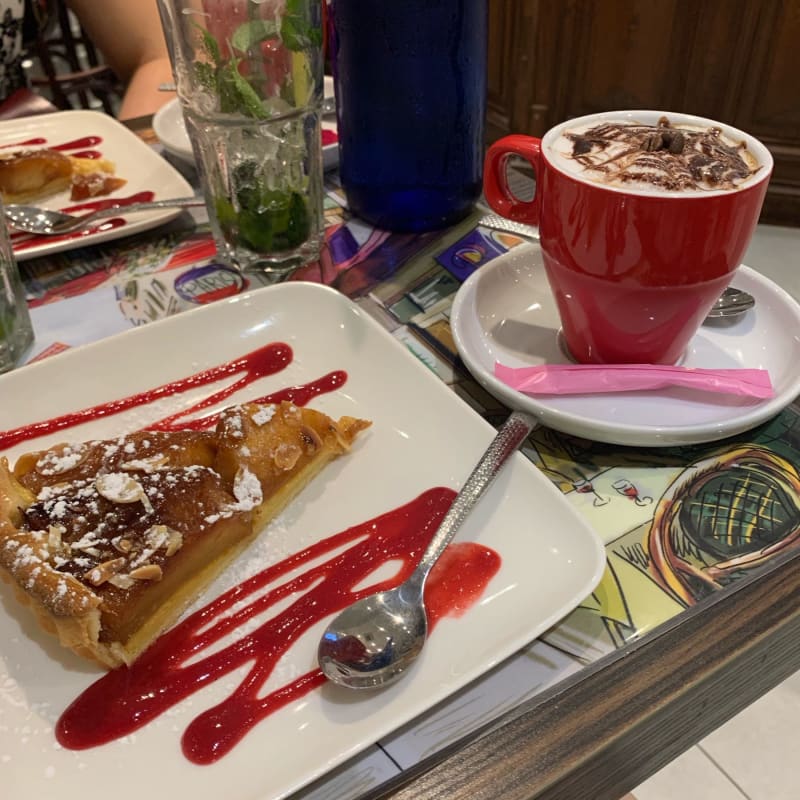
x=731, y=303
x=374, y=641
x=46, y=222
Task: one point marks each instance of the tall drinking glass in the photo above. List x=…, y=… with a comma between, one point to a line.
x=16, y=331
x=410, y=83
x=249, y=79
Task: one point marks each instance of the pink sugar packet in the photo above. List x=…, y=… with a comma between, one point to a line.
x=599, y=378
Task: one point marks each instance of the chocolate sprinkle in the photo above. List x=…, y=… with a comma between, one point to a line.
x=672, y=158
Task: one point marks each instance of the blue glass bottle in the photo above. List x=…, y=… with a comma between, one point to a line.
x=410, y=78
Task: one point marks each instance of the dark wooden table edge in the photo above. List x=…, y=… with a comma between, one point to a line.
x=137, y=124
x=601, y=732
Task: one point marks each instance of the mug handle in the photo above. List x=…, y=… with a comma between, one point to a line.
x=495, y=184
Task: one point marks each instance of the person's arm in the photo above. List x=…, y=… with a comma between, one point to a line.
x=129, y=35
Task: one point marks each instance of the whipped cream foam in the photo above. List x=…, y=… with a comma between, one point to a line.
x=660, y=158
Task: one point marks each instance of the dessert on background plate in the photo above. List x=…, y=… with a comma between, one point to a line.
x=108, y=541
x=33, y=174
x=107, y=163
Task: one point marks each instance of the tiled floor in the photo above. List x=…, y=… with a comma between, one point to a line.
x=752, y=757
x=755, y=755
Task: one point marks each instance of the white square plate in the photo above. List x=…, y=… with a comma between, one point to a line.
x=422, y=436
x=136, y=162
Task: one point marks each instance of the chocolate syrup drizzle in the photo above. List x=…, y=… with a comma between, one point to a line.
x=670, y=157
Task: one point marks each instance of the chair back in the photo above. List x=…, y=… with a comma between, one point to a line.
x=72, y=71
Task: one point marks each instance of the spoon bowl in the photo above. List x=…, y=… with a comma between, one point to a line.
x=374, y=641
x=46, y=222
x=731, y=303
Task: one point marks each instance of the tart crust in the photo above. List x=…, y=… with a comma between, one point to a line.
x=27, y=175
x=109, y=541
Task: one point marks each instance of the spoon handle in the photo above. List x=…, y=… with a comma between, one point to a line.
x=511, y=435
x=498, y=223
x=121, y=208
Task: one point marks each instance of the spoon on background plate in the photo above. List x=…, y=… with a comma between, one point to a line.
x=374, y=641
x=45, y=222
x=730, y=303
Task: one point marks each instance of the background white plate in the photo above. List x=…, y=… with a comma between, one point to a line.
x=135, y=161
x=170, y=128
x=422, y=436
x=505, y=312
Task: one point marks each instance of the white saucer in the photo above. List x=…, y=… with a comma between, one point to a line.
x=505, y=312
x=170, y=129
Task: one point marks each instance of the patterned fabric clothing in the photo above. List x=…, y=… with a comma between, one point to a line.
x=20, y=21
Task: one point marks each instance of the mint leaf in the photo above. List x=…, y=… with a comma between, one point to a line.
x=236, y=94
x=251, y=33
x=299, y=227
x=206, y=75
x=297, y=33
x=210, y=44
x=281, y=222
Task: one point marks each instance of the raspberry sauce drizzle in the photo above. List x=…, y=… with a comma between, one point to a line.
x=77, y=144
x=125, y=699
x=145, y=196
x=299, y=395
x=35, y=140
x=264, y=361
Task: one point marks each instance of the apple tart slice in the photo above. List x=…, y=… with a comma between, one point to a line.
x=109, y=541
x=34, y=174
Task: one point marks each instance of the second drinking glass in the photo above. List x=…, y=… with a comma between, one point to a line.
x=249, y=78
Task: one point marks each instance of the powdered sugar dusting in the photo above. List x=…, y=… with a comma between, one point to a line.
x=56, y=462
x=247, y=490
x=263, y=415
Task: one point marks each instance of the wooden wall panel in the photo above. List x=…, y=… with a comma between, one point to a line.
x=499, y=101
x=619, y=54
x=735, y=62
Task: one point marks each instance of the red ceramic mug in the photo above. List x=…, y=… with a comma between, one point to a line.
x=634, y=269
